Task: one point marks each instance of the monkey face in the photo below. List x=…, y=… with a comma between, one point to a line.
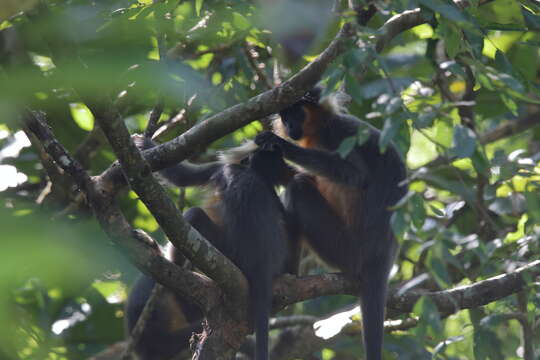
x=293, y=117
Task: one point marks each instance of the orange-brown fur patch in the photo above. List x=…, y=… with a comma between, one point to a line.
x=310, y=127
x=341, y=198
x=211, y=206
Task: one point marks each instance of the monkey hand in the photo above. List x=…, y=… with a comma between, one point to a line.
x=268, y=140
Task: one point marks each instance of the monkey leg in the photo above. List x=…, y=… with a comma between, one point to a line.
x=312, y=217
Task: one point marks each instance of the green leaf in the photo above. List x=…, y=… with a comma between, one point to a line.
x=445, y=9
x=485, y=81
x=390, y=129
x=480, y=162
x=509, y=103
x=335, y=76
x=511, y=82
x=430, y=319
x=464, y=142
x=476, y=42
x=198, y=7
x=487, y=344
x=399, y=222
x=353, y=88
x=436, y=210
x=438, y=267
x=393, y=105
x=494, y=320
x=418, y=211
x=362, y=134
x=425, y=119
x=240, y=22
x=533, y=205
x=82, y=116
x=532, y=20
x=452, y=38
x=357, y=56
x=404, y=200
x=463, y=189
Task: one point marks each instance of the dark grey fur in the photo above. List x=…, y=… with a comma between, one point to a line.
x=365, y=247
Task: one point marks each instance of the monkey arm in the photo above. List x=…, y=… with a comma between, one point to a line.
x=321, y=162
x=187, y=174
x=327, y=164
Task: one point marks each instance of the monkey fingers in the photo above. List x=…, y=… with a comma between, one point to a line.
x=268, y=138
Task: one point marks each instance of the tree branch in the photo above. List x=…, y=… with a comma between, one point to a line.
x=139, y=247
x=225, y=122
x=184, y=237
x=468, y=296
x=301, y=340
x=289, y=289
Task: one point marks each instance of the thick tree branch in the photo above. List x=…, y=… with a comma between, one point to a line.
x=301, y=340
x=225, y=122
x=139, y=247
x=468, y=296
x=289, y=290
x=184, y=237
x=405, y=21
x=396, y=25
x=269, y=102
x=511, y=128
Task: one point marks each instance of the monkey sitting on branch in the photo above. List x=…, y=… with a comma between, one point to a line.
x=243, y=218
x=341, y=206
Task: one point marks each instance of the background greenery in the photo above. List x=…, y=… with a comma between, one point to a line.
x=473, y=211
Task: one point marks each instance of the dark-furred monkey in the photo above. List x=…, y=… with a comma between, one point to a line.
x=341, y=206
x=171, y=323
x=244, y=219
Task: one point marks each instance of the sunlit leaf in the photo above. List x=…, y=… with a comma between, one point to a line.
x=82, y=116
x=240, y=21
x=198, y=6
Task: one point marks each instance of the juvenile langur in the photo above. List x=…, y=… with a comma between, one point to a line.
x=243, y=218
x=341, y=206
x=173, y=320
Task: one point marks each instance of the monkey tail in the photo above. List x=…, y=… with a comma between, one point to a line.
x=372, y=303
x=261, y=292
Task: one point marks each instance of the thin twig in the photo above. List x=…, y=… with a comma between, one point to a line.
x=258, y=68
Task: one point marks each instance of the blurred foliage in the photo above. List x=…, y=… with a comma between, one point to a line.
x=474, y=216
